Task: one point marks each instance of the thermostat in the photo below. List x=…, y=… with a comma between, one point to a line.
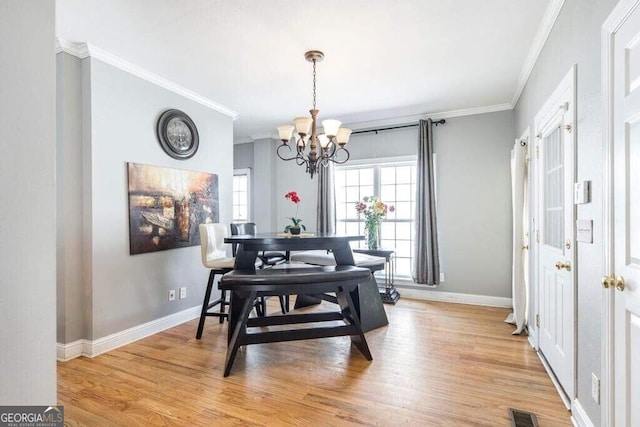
x=582, y=192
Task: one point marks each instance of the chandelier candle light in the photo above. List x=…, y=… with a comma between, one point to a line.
x=331, y=142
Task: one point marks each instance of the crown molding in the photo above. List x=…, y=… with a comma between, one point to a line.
x=244, y=140
x=79, y=50
x=544, y=30
x=85, y=50
x=415, y=118
x=264, y=135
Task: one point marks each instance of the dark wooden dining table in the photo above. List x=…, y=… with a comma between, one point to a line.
x=366, y=296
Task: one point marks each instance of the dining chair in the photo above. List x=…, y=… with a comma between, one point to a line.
x=268, y=259
x=214, y=257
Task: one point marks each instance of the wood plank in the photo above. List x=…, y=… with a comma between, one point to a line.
x=435, y=364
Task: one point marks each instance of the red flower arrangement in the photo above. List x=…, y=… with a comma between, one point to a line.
x=297, y=222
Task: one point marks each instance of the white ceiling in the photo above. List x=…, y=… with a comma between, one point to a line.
x=384, y=58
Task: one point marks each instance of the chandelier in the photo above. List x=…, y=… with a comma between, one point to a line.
x=322, y=148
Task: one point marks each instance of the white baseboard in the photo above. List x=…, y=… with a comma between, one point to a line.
x=579, y=417
x=532, y=340
x=71, y=350
x=93, y=348
x=429, y=295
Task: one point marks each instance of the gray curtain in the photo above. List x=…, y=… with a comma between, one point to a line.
x=426, y=269
x=326, y=214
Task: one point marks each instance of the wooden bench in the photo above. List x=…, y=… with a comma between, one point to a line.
x=246, y=286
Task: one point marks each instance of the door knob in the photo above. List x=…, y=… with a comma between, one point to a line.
x=620, y=283
x=566, y=265
x=608, y=281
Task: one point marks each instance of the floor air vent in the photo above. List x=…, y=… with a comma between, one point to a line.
x=522, y=418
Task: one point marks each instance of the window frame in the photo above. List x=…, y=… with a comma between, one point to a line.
x=240, y=172
x=376, y=164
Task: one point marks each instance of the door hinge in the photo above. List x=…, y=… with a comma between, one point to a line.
x=537, y=236
x=537, y=151
x=537, y=320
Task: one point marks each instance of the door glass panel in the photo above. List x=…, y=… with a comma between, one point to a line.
x=553, y=189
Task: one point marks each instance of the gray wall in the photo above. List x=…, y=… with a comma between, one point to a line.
x=27, y=217
x=69, y=184
x=118, y=116
x=474, y=203
x=263, y=177
x=575, y=39
x=474, y=194
x=243, y=155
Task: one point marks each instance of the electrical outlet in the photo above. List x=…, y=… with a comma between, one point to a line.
x=183, y=292
x=172, y=295
x=441, y=277
x=595, y=388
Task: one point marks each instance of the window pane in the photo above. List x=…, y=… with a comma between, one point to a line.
x=341, y=210
x=388, y=244
x=352, y=228
x=403, y=174
x=351, y=212
x=387, y=231
x=388, y=193
x=403, y=267
x=367, y=190
x=404, y=193
x=366, y=176
x=387, y=175
x=403, y=248
x=352, y=194
x=352, y=177
x=404, y=230
x=404, y=211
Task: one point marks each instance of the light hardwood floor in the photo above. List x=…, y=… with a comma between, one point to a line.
x=435, y=364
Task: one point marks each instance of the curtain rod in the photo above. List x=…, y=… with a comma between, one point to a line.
x=436, y=122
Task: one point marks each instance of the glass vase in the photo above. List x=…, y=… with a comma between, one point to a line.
x=371, y=231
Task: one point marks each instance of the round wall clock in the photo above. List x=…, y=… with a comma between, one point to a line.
x=177, y=134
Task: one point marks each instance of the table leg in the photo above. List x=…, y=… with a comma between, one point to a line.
x=368, y=304
x=245, y=260
x=306, y=301
x=238, y=314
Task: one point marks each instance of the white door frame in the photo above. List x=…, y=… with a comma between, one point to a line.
x=610, y=27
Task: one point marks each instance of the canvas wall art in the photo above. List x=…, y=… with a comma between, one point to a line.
x=166, y=206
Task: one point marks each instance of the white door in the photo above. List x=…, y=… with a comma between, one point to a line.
x=626, y=128
x=556, y=218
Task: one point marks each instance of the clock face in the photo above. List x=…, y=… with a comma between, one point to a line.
x=177, y=134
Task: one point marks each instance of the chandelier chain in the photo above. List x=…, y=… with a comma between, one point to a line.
x=314, y=84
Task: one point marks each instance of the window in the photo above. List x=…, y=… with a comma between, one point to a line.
x=241, y=182
x=394, y=181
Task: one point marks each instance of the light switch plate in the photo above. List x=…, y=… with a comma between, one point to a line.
x=584, y=229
